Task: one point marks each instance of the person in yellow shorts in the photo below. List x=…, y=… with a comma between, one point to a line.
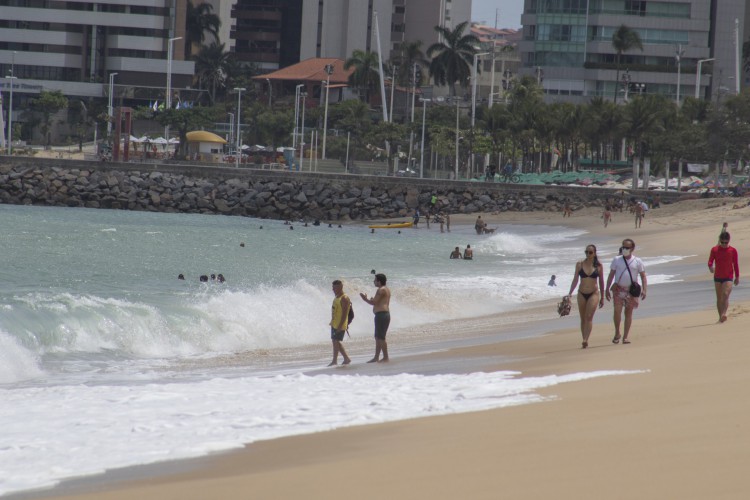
x=339, y=322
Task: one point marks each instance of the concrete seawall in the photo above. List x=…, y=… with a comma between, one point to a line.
x=275, y=195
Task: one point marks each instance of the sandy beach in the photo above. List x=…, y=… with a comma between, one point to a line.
x=672, y=427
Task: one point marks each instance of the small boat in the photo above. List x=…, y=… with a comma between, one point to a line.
x=395, y=225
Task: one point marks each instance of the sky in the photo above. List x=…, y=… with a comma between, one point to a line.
x=508, y=12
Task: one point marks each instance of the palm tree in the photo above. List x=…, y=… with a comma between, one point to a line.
x=211, y=68
x=365, y=75
x=623, y=40
x=410, y=54
x=199, y=21
x=453, y=56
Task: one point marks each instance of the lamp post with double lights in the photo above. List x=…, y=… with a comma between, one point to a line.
x=297, y=91
x=327, y=82
x=12, y=78
x=111, y=97
x=168, y=100
x=303, y=95
x=238, y=146
x=626, y=84
x=698, y=75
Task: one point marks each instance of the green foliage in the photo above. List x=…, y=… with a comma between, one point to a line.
x=48, y=104
x=184, y=120
x=366, y=75
x=452, y=57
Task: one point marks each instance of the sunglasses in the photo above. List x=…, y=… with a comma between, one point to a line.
x=590, y=252
x=627, y=248
x=724, y=242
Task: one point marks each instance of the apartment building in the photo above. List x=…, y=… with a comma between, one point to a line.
x=277, y=33
x=567, y=46
x=73, y=46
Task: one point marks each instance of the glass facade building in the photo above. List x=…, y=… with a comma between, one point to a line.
x=567, y=46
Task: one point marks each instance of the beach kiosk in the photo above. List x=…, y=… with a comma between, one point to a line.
x=205, y=146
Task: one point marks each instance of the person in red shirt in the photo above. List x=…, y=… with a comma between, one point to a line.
x=723, y=264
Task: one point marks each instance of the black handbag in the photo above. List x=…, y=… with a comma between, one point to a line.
x=635, y=288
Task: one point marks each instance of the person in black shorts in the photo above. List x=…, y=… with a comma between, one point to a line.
x=381, y=307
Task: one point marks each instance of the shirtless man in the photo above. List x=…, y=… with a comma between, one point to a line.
x=380, y=306
x=638, y=210
x=456, y=254
x=468, y=253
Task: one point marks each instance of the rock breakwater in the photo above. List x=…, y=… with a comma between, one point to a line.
x=274, y=195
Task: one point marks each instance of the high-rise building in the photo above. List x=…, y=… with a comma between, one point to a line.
x=567, y=46
x=74, y=46
x=277, y=33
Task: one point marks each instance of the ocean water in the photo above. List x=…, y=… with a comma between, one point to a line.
x=108, y=360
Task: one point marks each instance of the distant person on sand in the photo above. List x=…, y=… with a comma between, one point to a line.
x=567, y=212
x=639, y=214
x=607, y=215
x=625, y=270
x=416, y=217
x=468, y=253
x=448, y=222
x=552, y=281
x=381, y=308
x=724, y=228
x=456, y=254
x=339, y=322
x=590, y=273
x=725, y=271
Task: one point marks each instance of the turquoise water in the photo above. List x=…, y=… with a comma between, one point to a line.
x=103, y=283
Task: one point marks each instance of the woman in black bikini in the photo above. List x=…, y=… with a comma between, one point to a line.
x=590, y=272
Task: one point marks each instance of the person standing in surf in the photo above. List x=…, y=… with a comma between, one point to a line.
x=726, y=270
x=339, y=322
x=590, y=273
x=381, y=308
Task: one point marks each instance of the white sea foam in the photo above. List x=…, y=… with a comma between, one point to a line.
x=102, y=427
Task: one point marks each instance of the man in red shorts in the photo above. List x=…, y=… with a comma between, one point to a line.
x=723, y=263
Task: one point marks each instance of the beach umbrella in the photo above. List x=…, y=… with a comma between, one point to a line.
x=159, y=140
x=134, y=139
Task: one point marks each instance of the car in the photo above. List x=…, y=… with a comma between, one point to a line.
x=407, y=173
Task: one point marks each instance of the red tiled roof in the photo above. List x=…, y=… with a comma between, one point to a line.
x=311, y=70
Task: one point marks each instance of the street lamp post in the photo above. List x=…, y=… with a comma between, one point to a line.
x=474, y=87
x=678, y=57
x=168, y=101
x=424, y=119
x=303, y=95
x=474, y=101
x=394, y=71
x=297, y=91
x=698, y=76
x=238, y=151
x=231, y=128
x=12, y=77
x=456, y=175
x=111, y=96
x=270, y=92
x=329, y=71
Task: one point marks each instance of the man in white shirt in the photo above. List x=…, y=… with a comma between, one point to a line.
x=624, y=271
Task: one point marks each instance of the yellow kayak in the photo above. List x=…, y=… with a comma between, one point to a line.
x=395, y=225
